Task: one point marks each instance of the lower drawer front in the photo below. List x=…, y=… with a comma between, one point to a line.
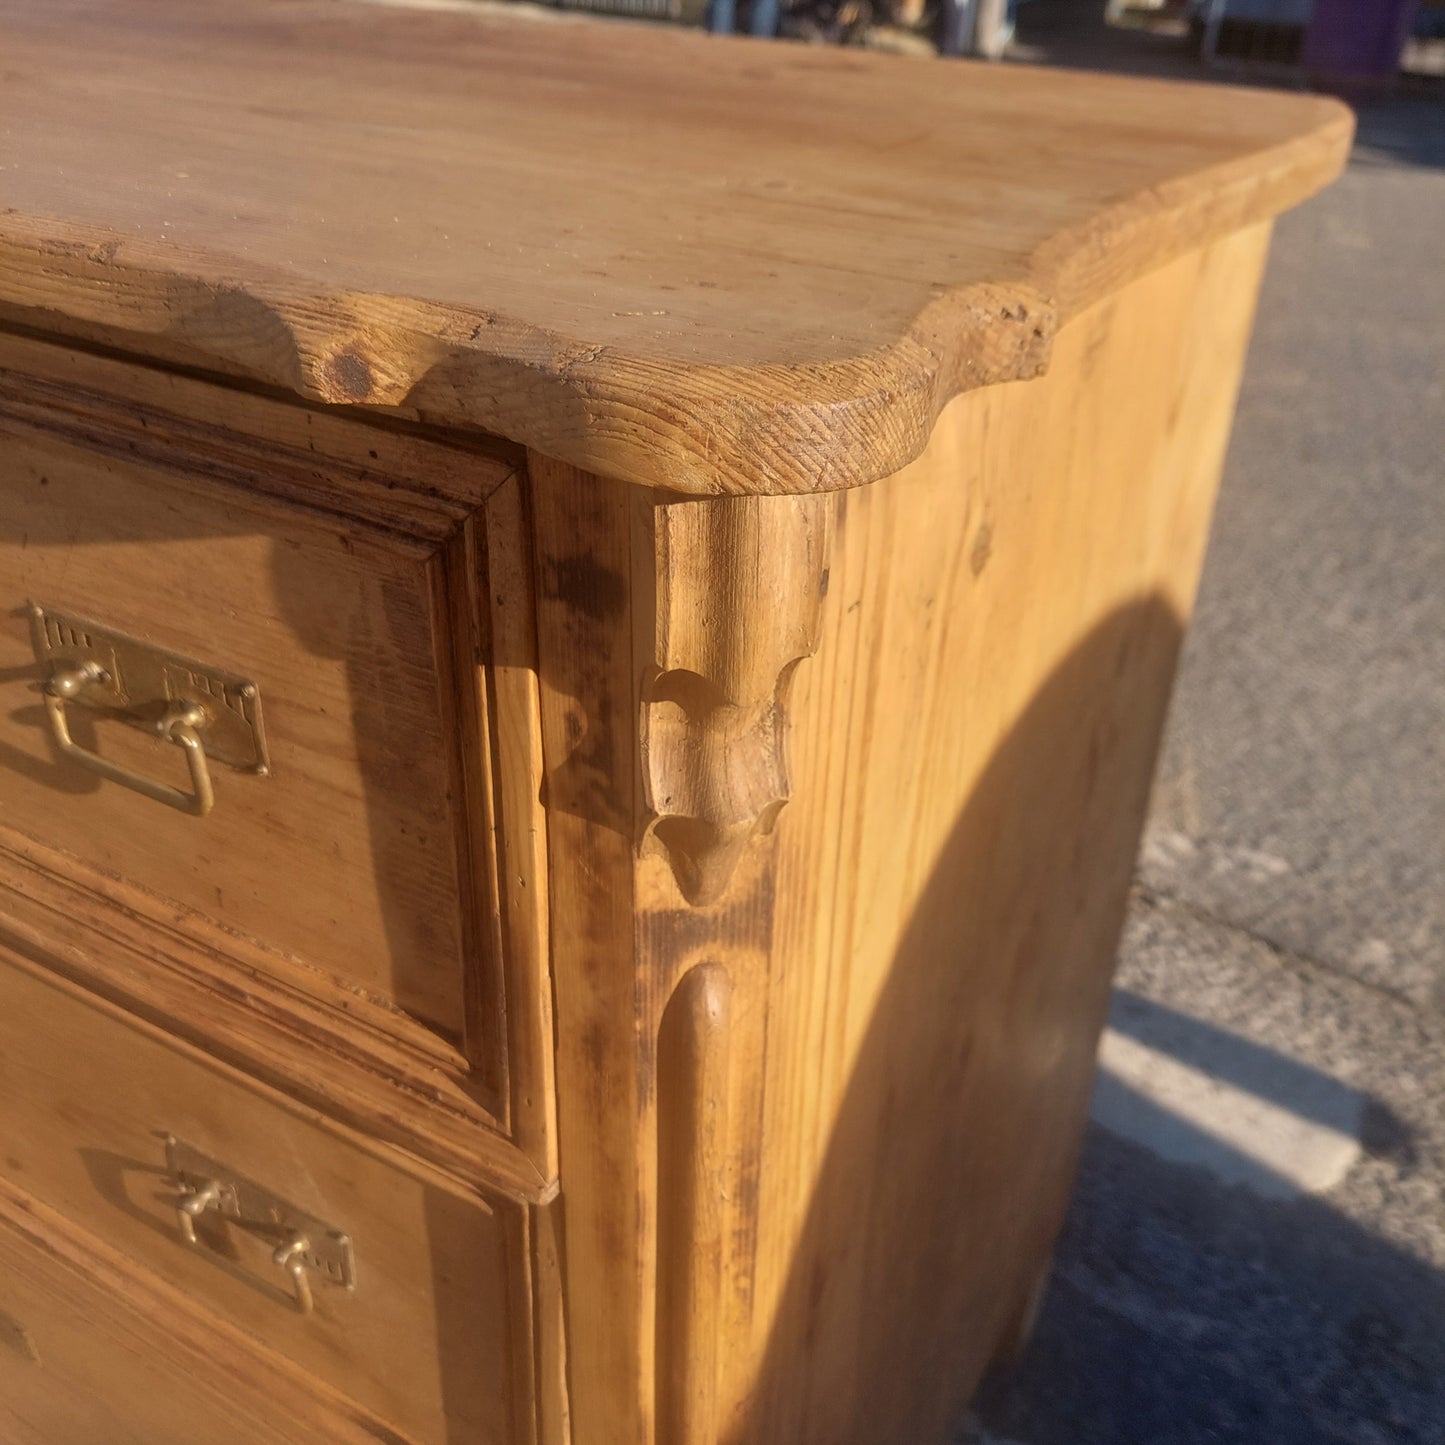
x=89, y=1355
x=427, y=1337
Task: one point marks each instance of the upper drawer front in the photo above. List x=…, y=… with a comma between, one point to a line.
x=434, y=1333
x=350, y=855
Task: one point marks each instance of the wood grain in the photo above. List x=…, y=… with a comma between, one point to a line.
x=93, y=1350
x=375, y=579
x=973, y=744
x=329, y=1050
x=428, y=1340
x=372, y=466
x=336, y=624
x=688, y=262
x=549, y=1310
x=878, y=1035
x=589, y=690
x=509, y=746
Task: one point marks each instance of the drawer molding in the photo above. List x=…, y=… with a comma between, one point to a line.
x=469, y=1086
x=349, y=688
x=358, y=1061
x=360, y=471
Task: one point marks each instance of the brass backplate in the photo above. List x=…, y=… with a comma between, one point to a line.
x=139, y=682
x=259, y=1210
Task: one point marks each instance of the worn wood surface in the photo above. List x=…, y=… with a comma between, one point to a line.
x=675, y=934
x=818, y=1123
x=92, y=1349
x=225, y=996
x=336, y=627
x=972, y=748
x=696, y=263
x=384, y=886
x=335, y=620
x=430, y=1338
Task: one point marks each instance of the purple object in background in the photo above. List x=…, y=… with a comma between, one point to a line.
x=1358, y=40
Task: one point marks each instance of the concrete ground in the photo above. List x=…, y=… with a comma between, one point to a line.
x=1291, y=889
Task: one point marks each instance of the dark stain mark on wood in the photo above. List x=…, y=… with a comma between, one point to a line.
x=583, y=583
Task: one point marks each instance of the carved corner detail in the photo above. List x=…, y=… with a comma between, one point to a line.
x=740, y=582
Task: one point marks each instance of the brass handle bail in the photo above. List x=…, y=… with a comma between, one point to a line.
x=291, y=1256
x=192, y=1203
x=180, y=724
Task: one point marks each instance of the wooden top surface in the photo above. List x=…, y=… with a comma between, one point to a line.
x=706, y=264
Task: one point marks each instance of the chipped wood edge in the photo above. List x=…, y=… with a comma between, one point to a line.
x=706, y=430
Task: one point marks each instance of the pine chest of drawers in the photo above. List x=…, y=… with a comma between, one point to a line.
x=586, y=614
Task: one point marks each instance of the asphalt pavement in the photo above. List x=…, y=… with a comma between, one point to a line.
x=1291, y=889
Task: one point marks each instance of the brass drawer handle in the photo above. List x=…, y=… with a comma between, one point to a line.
x=152, y=688
x=308, y=1247
x=290, y=1255
x=192, y=1203
x=179, y=724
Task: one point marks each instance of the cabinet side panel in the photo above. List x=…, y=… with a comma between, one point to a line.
x=842, y=798
x=971, y=753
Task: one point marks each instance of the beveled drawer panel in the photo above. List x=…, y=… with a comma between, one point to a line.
x=351, y=854
x=377, y=896
x=434, y=1336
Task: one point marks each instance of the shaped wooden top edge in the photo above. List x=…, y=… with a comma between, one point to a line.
x=685, y=428
x=1147, y=230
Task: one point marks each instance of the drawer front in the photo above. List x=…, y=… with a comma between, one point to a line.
x=73, y=1373
x=433, y=1335
x=349, y=855
x=89, y=1355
